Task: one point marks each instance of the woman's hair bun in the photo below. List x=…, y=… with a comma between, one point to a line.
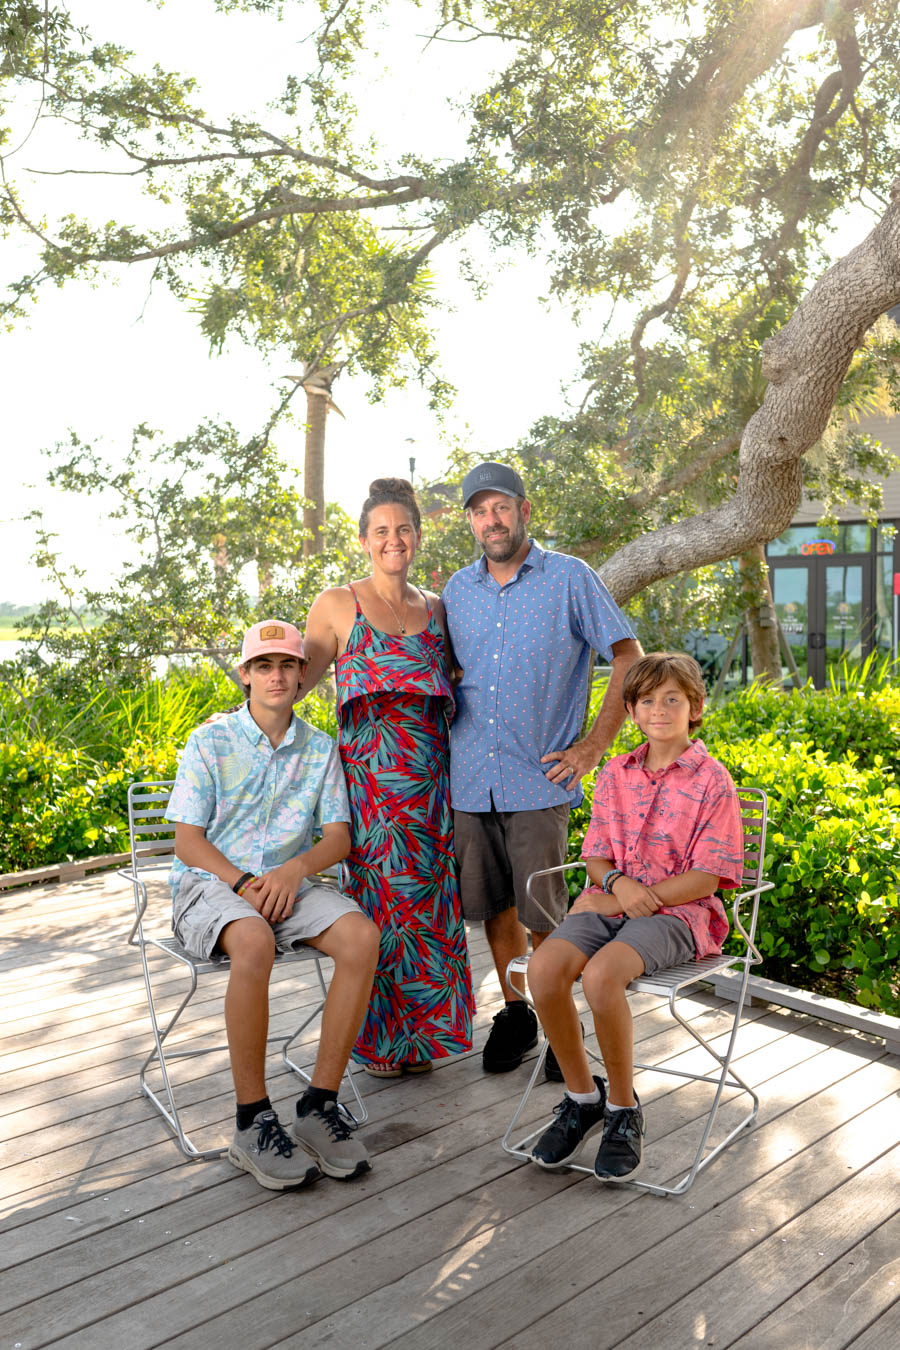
x=390, y=491
x=398, y=486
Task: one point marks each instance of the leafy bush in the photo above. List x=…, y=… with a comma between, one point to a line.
x=833, y=918
x=62, y=804
x=859, y=723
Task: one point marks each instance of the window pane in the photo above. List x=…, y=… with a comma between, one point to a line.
x=799, y=539
x=886, y=533
x=843, y=614
x=884, y=603
x=790, y=591
x=853, y=539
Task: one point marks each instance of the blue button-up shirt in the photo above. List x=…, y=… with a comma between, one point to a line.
x=260, y=806
x=526, y=653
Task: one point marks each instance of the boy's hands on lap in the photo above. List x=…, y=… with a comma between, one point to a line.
x=634, y=899
x=274, y=894
x=631, y=898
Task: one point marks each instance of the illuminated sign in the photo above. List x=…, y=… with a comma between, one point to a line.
x=818, y=546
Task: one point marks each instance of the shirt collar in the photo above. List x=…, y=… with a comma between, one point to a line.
x=534, y=559
x=255, y=733
x=692, y=758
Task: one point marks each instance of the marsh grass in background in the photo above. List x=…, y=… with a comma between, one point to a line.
x=828, y=760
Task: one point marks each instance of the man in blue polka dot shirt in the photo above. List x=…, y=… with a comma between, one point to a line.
x=524, y=623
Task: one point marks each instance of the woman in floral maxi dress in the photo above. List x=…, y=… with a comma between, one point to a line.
x=394, y=706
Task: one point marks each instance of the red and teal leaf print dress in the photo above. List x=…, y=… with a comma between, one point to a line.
x=394, y=706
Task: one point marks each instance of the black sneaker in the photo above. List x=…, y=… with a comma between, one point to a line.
x=619, y=1155
x=552, y=1072
x=514, y=1031
x=575, y=1122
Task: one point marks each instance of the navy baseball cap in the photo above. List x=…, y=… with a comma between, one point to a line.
x=491, y=477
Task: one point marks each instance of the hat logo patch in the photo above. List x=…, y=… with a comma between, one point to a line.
x=272, y=631
x=485, y=476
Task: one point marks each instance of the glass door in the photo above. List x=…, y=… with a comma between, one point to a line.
x=847, y=625
x=790, y=592
x=824, y=605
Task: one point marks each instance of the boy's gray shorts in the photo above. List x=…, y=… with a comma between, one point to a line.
x=204, y=905
x=660, y=940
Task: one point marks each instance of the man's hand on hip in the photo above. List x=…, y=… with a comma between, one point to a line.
x=571, y=764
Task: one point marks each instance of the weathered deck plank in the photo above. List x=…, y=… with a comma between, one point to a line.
x=834, y=1309
x=110, y=1239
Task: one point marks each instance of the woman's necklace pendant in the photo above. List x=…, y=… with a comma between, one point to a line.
x=399, y=622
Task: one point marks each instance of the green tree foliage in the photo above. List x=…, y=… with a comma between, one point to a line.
x=681, y=169
x=269, y=236
x=217, y=543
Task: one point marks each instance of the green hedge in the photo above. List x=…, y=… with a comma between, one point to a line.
x=832, y=852
x=827, y=760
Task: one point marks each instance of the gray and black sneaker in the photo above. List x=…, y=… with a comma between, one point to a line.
x=575, y=1122
x=619, y=1156
x=514, y=1031
x=266, y=1151
x=324, y=1133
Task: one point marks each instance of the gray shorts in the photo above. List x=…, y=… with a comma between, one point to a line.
x=498, y=850
x=660, y=940
x=204, y=905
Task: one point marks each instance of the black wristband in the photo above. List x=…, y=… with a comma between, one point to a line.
x=242, y=881
x=610, y=879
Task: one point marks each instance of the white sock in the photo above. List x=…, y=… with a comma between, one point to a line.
x=611, y=1106
x=585, y=1098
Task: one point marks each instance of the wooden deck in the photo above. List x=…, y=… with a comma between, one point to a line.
x=109, y=1239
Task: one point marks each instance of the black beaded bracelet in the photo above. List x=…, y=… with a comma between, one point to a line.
x=242, y=881
x=612, y=876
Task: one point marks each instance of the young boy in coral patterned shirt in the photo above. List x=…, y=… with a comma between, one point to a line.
x=664, y=834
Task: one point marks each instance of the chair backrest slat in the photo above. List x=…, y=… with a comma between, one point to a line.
x=754, y=805
x=151, y=836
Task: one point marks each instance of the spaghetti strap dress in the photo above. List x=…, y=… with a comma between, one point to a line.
x=394, y=707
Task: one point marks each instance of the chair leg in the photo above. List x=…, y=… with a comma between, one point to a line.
x=168, y=1108
x=726, y=1078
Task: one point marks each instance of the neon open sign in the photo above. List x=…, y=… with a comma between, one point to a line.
x=818, y=546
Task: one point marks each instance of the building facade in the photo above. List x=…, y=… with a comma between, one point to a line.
x=835, y=589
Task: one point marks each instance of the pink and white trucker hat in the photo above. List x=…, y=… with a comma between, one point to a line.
x=272, y=635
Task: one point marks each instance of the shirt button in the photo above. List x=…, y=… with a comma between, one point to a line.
x=491, y=720
x=492, y=688
x=499, y=625
x=490, y=754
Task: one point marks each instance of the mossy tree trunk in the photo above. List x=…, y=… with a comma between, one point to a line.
x=759, y=614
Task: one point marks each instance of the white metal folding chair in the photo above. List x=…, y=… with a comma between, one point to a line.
x=670, y=984
x=152, y=848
